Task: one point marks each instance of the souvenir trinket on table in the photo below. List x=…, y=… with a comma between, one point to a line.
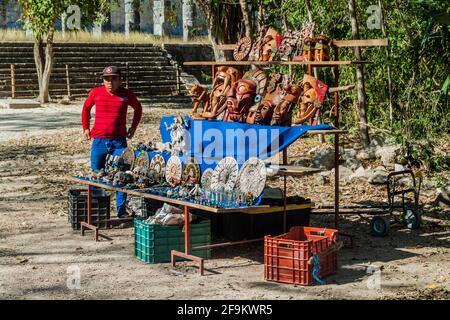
x=252, y=176
x=191, y=173
x=157, y=168
x=177, y=135
x=143, y=161
x=225, y=175
x=128, y=158
x=206, y=179
x=174, y=170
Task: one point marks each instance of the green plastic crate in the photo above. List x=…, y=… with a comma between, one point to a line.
x=153, y=243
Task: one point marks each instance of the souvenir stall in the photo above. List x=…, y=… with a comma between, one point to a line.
x=218, y=159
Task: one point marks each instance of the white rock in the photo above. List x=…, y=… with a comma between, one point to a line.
x=388, y=154
x=376, y=141
x=366, y=154
x=399, y=167
x=323, y=158
x=352, y=163
x=443, y=197
x=359, y=173
x=378, y=177
x=344, y=173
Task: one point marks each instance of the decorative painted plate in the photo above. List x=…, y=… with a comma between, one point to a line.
x=142, y=160
x=225, y=175
x=174, y=170
x=191, y=172
x=128, y=157
x=206, y=179
x=252, y=176
x=157, y=167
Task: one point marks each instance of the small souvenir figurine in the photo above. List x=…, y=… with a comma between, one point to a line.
x=177, y=135
x=321, y=52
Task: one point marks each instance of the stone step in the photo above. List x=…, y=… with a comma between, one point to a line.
x=84, y=91
x=6, y=63
x=25, y=68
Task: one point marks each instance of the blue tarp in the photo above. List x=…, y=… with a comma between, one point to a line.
x=211, y=141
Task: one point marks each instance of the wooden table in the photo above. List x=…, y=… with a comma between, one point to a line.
x=263, y=209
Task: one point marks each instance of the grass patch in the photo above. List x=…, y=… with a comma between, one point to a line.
x=106, y=37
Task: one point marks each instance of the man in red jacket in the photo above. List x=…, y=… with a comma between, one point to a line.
x=109, y=131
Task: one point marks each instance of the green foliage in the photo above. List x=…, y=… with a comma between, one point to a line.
x=418, y=57
x=40, y=16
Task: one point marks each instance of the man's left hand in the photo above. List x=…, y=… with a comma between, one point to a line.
x=130, y=133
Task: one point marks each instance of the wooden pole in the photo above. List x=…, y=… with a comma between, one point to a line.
x=336, y=143
x=178, y=78
x=127, y=74
x=13, y=82
x=68, y=81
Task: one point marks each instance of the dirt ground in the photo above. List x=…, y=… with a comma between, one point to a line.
x=39, y=251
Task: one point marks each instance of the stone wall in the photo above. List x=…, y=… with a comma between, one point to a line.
x=192, y=52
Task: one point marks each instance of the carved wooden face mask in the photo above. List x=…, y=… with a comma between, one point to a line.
x=283, y=112
x=264, y=113
x=241, y=97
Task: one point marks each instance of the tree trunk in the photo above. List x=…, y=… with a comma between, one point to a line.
x=383, y=30
x=44, y=96
x=247, y=20
x=260, y=14
x=39, y=59
x=219, y=55
x=3, y=16
x=137, y=15
x=44, y=65
x=362, y=103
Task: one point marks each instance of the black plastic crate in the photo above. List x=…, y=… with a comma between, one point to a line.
x=239, y=226
x=100, y=207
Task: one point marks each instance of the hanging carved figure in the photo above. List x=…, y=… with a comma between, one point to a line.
x=285, y=102
x=200, y=98
x=245, y=94
x=314, y=92
x=224, y=79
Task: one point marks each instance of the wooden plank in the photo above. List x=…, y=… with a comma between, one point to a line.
x=263, y=209
x=337, y=43
x=294, y=171
x=267, y=63
x=327, y=132
x=360, y=43
x=226, y=46
x=273, y=209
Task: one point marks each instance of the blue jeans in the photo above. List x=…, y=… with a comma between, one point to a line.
x=101, y=147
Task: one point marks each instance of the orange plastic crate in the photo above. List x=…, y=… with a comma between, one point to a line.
x=286, y=256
